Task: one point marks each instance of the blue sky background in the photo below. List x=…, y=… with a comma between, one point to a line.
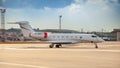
x=90, y=15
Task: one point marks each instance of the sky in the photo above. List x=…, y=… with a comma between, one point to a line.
x=89, y=15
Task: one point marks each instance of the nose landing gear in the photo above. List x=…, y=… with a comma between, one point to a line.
x=57, y=46
x=96, y=46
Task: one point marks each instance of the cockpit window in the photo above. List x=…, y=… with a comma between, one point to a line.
x=94, y=36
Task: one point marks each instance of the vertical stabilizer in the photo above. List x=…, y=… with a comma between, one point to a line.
x=25, y=27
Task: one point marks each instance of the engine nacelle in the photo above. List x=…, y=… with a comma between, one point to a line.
x=39, y=35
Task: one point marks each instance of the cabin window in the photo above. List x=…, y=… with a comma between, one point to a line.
x=53, y=36
x=80, y=37
x=66, y=36
x=62, y=36
x=76, y=37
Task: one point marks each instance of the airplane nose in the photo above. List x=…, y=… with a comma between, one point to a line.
x=101, y=40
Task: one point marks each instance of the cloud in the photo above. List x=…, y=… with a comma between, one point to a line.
x=92, y=12
x=114, y=1
x=3, y=1
x=87, y=14
x=80, y=1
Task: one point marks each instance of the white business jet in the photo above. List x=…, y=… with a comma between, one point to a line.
x=57, y=39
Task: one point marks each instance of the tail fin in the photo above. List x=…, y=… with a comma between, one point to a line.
x=25, y=27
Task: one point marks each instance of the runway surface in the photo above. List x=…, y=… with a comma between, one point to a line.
x=84, y=55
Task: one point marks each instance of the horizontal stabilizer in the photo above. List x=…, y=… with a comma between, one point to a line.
x=20, y=22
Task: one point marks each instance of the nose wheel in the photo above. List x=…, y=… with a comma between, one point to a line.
x=57, y=46
x=96, y=46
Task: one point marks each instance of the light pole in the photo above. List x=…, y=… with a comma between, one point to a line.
x=60, y=22
x=3, y=10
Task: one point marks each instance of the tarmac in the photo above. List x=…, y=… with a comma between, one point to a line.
x=82, y=55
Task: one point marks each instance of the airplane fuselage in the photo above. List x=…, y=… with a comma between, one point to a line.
x=65, y=38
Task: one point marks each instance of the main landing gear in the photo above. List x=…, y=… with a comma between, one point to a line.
x=51, y=45
x=96, y=46
x=57, y=46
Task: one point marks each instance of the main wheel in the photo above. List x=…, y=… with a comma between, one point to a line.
x=96, y=46
x=57, y=46
x=51, y=46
